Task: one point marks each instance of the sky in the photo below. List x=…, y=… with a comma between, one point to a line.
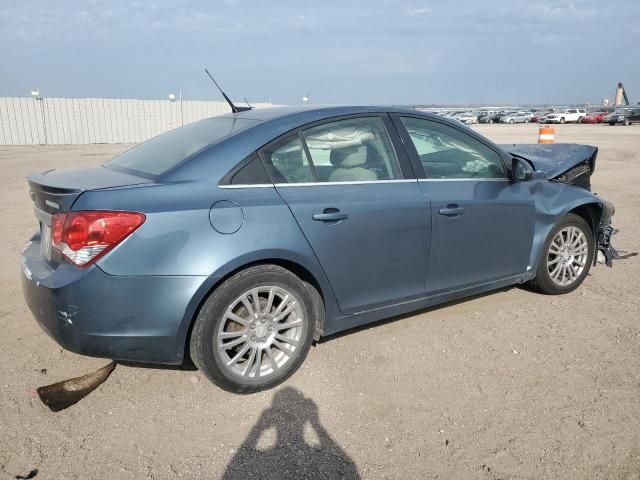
x=334, y=51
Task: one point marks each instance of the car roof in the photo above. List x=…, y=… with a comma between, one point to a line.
x=318, y=111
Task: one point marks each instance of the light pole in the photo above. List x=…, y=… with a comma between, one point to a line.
x=35, y=94
x=172, y=98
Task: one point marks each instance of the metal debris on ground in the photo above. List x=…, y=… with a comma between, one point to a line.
x=61, y=395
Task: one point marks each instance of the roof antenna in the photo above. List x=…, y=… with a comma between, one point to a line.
x=247, y=102
x=234, y=109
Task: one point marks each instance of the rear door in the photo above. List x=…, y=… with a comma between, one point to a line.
x=349, y=185
x=482, y=224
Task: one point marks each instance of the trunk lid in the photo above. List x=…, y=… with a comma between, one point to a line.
x=556, y=159
x=55, y=191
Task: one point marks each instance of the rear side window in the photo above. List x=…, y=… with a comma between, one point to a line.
x=287, y=162
x=158, y=155
x=448, y=153
x=253, y=173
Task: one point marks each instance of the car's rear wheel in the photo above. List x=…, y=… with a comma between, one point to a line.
x=254, y=330
x=566, y=257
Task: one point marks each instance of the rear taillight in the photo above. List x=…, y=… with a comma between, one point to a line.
x=83, y=237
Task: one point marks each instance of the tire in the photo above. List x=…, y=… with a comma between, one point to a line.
x=490, y=121
x=627, y=122
x=612, y=124
x=580, y=119
x=511, y=121
x=257, y=336
x=562, y=120
x=553, y=282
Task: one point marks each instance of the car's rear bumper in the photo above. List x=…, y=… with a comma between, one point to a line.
x=123, y=318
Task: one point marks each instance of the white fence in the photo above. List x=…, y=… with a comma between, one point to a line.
x=54, y=121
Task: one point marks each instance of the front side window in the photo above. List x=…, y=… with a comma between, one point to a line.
x=355, y=149
x=446, y=152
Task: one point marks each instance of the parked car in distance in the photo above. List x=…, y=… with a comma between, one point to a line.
x=593, y=117
x=487, y=116
x=239, y=239
x=494, y=118
x=538, y=115
x=624, y=116
x=518, y=117
x=569, y=115
x=467, y=118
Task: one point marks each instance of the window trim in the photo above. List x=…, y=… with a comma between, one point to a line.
x=405, y=170
x=421, y=174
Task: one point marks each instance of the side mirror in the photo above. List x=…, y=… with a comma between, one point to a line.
x=521, y=170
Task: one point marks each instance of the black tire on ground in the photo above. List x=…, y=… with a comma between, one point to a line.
x=612, y=123
x=490, y=121
x=204, y=336
x=627, y=122
x=511, y=121
x=543, y=282
x=562, y=120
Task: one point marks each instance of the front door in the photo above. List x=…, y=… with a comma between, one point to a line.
x=368, y=226
x=482, y=224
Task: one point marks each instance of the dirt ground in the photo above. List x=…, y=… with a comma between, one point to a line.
x=510, y=385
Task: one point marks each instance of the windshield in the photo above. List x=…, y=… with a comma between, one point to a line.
x=158, y=155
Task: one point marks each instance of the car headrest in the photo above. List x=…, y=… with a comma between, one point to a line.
x=349, y=157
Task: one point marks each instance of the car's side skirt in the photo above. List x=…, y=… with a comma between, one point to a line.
x=358, y=319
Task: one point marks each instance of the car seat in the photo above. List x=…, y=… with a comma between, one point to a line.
x=349, y=163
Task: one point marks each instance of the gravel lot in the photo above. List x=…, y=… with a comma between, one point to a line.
x=510, y=385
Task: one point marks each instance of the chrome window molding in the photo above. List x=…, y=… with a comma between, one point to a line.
x=464, y=180
x=314, y=184
x=355, y=182
x=254, y=185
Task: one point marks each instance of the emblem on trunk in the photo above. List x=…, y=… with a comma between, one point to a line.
x=52, y=204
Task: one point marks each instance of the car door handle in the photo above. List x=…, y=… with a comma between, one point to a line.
x=330, y=215
x=452, y=210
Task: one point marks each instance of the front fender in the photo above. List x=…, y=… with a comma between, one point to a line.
x=553, y=200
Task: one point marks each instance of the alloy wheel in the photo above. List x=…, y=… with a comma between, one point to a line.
x=261, y=332
x=567, y=256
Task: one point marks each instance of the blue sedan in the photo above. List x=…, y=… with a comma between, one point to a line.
x=239, y=240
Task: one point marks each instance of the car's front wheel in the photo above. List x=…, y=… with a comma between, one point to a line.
x=566, y=257
x=627, y=122
x=254, y=330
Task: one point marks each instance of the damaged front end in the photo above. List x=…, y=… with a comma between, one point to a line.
x=606, y=251
x=574, y=164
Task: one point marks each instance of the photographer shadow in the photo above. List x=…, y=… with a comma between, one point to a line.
x=276, y=447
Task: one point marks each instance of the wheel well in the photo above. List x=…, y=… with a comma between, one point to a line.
x=590, y=212
x=305, y=275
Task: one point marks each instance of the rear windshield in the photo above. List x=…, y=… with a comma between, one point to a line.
x=158, y=155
